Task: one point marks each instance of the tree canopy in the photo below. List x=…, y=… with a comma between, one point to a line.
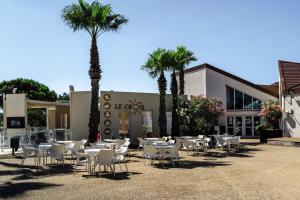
x=33, y=89
x=95, y=18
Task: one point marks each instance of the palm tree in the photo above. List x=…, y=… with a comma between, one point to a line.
x=156, y=64
x=174, y=67
x=183, y=57
x=94, y=18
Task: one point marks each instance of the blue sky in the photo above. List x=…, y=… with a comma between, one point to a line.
x=246, y=38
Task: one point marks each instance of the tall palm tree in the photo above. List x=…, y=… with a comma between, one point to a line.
x=156, y=64
x=183, y=57
x=94, y=18
x=174, y=67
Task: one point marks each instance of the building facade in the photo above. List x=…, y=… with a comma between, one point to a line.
x=121, y=113
x=241, y=99
x=289, y=84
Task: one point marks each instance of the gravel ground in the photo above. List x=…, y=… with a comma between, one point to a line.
x=254, y=172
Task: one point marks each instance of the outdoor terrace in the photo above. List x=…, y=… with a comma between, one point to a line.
x=254, y=172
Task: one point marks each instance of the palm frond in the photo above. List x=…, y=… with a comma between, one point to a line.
x=95, y=17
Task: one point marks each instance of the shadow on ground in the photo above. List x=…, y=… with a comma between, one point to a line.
x=25, y=172
x=191, y=164
x=11, y=190
x=108, y=175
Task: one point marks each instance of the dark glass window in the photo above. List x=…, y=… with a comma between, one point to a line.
x=230, y=98
x=256, y=104
x=238, y=100
x=247, y=102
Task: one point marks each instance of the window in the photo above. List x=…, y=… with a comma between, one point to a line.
x=238, y=100
x=256, y=103
x=247, y=102
x=230, y=98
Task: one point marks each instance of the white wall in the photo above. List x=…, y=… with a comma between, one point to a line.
x=79, y=114
x=291, y=122
x=195, y=83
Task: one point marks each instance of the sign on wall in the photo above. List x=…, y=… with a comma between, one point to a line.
x=133, y=106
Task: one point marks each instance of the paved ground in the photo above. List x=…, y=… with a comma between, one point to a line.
x=255, y=172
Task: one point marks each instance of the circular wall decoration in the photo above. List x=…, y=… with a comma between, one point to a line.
x=107, y=97
x=107, y=122
x=107, y=114
x=107, y=105
x=107, y=131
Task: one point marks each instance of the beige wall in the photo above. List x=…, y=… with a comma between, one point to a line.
x=291, y=116
x=150, y=102
x=79, y=114
x=15, y=106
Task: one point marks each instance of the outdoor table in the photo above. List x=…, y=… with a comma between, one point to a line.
x=64, y=142
x=105, y=144
x=186, y=137
x=92, y=152
x=230, y=140
x=44, y=147
x=162, y=149
x=152, y=139
x=110, y=140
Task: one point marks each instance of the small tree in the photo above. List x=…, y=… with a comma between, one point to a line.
x=271, y=113
x=200, y=114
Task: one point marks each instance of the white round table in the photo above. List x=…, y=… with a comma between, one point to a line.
x=44, y=147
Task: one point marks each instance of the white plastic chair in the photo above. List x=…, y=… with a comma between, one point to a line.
x=105, y=157
x=120, y=156
x=188, y=145
x=82, y=144
x=30, y=152
x=173, y=153
x=72, y=149
x=82, y=158
x=150, y=152
x=57, y=152
x=221, y=143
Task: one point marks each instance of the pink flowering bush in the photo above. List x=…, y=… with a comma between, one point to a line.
x=271, y=113
x=199, y=114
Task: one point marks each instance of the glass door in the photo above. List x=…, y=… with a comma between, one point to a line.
x=230, y=128
x=256, y=123
x=248, y=126
x=238, y=126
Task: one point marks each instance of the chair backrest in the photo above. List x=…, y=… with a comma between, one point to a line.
x=122, y=150
x=187, y=143
x=75, y=146
x=178, y=140
x=126, y=140
x=105, y=157
x=27, y=151
x=141, y=140
x=57, y=150
x=149, y=149
x=174, y=150
x=220, y=141
x=171, y=141
x=126, y=143
x=200, y=136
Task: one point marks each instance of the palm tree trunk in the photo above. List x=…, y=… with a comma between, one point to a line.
x=181, y=81
x=162, y=85
x=95, y=76
x=174, y=91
